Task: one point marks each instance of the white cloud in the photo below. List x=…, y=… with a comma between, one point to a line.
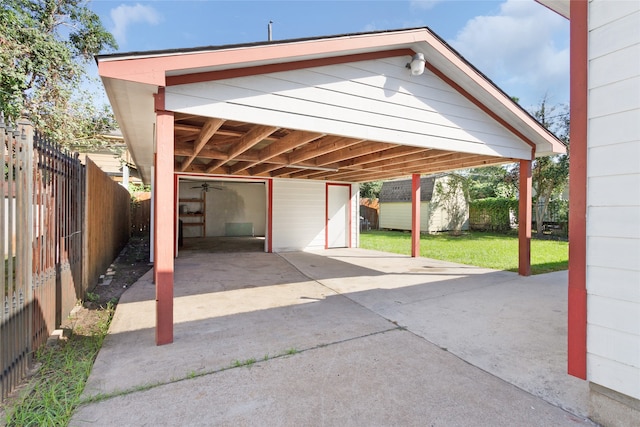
x=519, y=50
x=124, y=15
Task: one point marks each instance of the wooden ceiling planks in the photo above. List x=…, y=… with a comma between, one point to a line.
x=215, y=146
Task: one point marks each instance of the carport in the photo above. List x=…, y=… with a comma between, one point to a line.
x=312, y=118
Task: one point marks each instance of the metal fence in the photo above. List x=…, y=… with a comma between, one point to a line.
x=49, y=263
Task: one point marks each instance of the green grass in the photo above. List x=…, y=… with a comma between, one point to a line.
x=54, y=392
x=489, y=250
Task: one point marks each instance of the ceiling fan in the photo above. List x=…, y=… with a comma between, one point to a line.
x=205, y=187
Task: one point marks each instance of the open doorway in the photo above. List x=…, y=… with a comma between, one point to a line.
x=221, y=215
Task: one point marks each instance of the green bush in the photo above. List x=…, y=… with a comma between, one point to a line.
x=492, y=214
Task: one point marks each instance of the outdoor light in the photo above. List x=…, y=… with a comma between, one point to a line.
x=417, y=64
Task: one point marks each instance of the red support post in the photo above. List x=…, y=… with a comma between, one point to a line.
x=165, y=221
x=415, y=215
x=577, y=292
x=524, y=219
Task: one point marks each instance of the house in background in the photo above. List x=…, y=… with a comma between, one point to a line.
x=436, y=214
x=604, y=208
x=114, y=159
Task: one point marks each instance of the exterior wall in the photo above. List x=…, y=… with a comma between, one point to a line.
x=613, y=197
x=377, y=100
x=299, y=215
x=397, y=216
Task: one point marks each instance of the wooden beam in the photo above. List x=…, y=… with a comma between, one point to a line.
x=289, y=142
x=311, y=150
x=246, y=141
x=353, y=151
x=325, y=145
x=376, y=157
x=426, y=168
x=334, y=158
x=418, y=159
x=208, y=130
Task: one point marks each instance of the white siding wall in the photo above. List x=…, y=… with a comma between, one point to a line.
x=299, y=212
x=355, y=216
x=377, y=100
x=613, y=197
x=398, y=216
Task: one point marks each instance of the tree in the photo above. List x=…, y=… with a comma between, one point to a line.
x=452, y=194
x=370, y=190
x=490, y=182
x=549, y=174
x=44, y=48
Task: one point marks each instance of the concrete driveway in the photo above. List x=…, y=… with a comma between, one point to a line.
x=339, y=337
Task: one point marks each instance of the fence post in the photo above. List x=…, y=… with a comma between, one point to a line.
x=25, y=210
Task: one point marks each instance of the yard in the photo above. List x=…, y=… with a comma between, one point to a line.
x=490, y=250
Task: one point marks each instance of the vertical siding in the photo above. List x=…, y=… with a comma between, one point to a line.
x=613, y=207
x=355, y=216
x=398, y=216
x=298, y=215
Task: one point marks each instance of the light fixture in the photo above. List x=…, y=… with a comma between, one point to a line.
x=417, y=64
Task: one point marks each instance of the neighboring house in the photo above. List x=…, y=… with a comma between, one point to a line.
x=115, y=161
x=395, y=206
x=604, y=225
x=308, y=120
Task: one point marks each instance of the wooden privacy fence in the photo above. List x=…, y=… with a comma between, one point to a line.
x=106, y=224
x=46, y=222
x=141, y=214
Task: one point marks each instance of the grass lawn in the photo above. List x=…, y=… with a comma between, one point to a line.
x=490, y=250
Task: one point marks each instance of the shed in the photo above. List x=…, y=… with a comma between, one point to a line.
x=395, y=206
x=309, y=119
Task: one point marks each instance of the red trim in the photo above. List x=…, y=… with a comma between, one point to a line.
x=155, y=217
x=577, y=310
x=270, y=216
x=326, y=216
x=415, y=215
x=231, y=178
x=286, y=66
x=480, y=105
x=524, y=219
x=155, y=68
x=326, y=213
x=175, y=215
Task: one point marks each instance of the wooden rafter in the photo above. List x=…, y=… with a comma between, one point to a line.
x=245, y=142
x=289, y=142
x=216, y=146
x=208, y=130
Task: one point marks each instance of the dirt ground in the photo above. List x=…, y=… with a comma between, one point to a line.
x=131, y=264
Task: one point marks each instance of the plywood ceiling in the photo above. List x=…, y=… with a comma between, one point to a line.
x=214, y=146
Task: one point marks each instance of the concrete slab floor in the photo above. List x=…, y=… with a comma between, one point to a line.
x=353, y=364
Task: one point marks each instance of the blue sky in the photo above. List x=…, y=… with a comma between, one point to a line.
x=519, y=44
